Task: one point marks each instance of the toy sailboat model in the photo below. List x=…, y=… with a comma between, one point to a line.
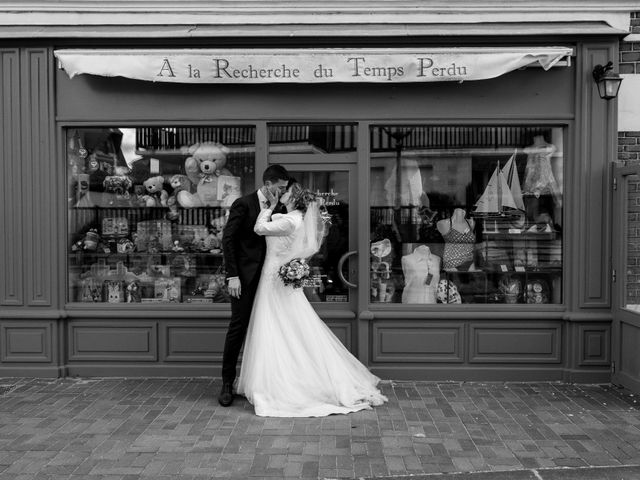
x=502, y=198
x=511, y=174
x=496, y=197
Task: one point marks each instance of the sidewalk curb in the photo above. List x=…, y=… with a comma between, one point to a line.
x=617, y=472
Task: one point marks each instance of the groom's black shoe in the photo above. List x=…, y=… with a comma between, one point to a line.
x=225, y=397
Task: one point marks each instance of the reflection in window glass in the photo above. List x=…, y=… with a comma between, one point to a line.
x=317, y=145
x=320, y=139
x=632, y=270
x=332, y=188
x=146, y=211
x=466, y=215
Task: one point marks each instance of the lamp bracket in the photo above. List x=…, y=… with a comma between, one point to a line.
x=600, y=71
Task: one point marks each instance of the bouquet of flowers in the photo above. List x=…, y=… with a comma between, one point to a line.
x=294, y=272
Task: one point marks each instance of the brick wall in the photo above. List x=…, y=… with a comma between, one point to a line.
x=630, y=51
x=628, y=146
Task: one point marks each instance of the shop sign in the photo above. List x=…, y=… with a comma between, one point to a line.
x=329, y=198
x=308, y=65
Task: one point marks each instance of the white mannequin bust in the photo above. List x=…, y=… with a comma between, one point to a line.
x=457, y=221
x=421, y=271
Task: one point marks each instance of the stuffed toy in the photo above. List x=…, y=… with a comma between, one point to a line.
x=133, y=293
x=206, y=163
x=180, y=183
x=118, y=187
x=90, y=240
x=173, y=215
x=156, y=195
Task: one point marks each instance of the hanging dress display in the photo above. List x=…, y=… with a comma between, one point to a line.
x=538, y=175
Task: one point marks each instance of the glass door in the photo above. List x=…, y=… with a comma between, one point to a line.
x=322, y=157
x=626, y=286
x=331, y=269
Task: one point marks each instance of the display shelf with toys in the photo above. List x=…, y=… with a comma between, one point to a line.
x=115, y=260
x=146, y=212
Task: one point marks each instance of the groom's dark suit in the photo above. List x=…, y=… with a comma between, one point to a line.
x=244, y=253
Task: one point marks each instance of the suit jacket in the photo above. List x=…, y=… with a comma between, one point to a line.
x=244, y=250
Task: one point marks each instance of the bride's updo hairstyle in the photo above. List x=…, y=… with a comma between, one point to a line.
x=301, y=197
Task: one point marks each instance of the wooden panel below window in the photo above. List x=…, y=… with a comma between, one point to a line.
x=188, y=341
x=410, y=342
x=117, y=341
x=594, y=344
x=512, y=343
x=26, y=342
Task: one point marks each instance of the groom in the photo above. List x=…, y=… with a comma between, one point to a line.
x=244, y=253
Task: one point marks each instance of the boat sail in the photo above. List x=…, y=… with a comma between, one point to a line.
x=496, y=196
x=511, y=174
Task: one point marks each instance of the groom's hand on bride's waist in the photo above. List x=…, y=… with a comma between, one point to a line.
x=235, y=290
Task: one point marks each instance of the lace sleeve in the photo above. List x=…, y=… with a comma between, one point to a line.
x=281, y=226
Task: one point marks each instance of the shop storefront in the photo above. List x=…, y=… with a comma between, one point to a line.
x=466, y=174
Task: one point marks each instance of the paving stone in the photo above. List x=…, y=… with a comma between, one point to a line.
x=144, y=429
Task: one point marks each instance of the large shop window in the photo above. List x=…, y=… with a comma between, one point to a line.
x=147, y=207
x=466, y=214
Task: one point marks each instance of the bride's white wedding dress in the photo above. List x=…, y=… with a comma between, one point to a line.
x=293, y=365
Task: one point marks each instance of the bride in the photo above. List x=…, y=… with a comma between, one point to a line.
x=293, y=365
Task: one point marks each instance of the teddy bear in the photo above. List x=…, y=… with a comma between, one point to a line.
x=180, y=183
x=205, y=164
x=155, y=194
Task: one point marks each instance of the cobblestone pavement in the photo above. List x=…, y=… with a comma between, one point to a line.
x=173, y=428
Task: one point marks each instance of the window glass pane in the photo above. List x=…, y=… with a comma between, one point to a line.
x=318, y=139
x=147, y=207
x=333, y=189
x=315, y=146
x=466, y=214
x=632, y=247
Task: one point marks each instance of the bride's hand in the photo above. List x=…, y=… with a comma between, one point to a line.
x=271, y=198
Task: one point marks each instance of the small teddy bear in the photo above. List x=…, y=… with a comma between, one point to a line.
x=179, y=183
x=156, y=195
x=206, y=163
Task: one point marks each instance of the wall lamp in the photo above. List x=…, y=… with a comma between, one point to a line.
x=608, y=82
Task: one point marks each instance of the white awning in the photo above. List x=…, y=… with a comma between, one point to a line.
x=245, y=66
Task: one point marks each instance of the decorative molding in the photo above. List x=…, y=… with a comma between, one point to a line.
x=38, y=198
x=594, y=345
x=405, y=342
x=112, y=341
x=513, y=343
x=192, y=342
x=597, y=150
x=11, y=274
x=194, y=14
x=26, y=342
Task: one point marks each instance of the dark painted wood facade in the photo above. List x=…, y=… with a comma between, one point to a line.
x=43, y=335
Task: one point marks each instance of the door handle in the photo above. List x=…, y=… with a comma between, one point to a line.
x=343, y=259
